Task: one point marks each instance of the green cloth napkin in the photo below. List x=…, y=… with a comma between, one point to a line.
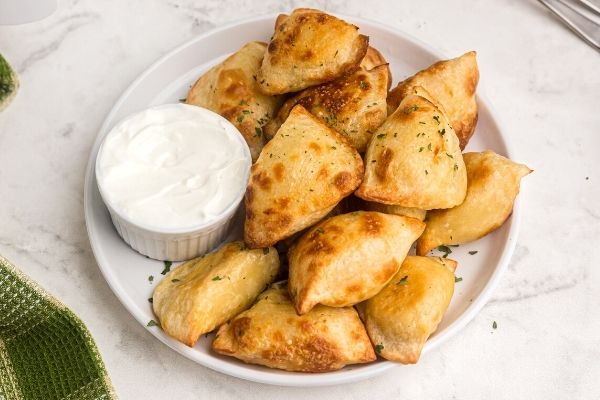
x=46, y=352
x=9, y=83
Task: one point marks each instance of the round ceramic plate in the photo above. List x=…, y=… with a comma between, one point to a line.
x=167, y=81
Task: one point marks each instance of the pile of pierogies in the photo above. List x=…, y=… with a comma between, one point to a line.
x=346, y=177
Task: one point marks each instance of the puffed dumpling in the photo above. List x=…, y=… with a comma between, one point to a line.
x=353, y=105
x=493, y=186
x=346, y=205
x=308, y=48
x=414, y=159
x=272, y=334
x=396, y=210
x=453, y=84
x=401, y=317
x=348, y=258
x=301, y=174
x=373, y=58
x=230, y=89
x=203, y=293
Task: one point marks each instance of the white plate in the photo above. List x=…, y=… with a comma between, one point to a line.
x=167, y=81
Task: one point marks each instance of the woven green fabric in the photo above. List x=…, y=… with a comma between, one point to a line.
x=9, y=83
x=46, y=352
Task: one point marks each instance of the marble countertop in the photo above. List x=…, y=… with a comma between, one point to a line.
x=543, y=80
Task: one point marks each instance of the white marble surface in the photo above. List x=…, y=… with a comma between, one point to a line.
x=544, y=82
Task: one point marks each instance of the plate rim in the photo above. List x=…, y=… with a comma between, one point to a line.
x=304, y=380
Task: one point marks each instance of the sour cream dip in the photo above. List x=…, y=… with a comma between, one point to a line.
x=173, y=168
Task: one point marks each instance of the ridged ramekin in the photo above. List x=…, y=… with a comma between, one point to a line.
x=178, y=244
x=173, y=246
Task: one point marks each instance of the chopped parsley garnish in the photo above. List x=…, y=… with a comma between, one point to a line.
x=437, y=119
x=456, y=167
x=415, y=107
x=182, y=100
x=495, y=325
x=444, y=249
x=473, y=252
x=457, y=279
x=421, y=149
x=362, y=84
x=217, y=278
x=167, y=267
x=381, y=135
x=266, y=250
x=150, y=278
x=175, y=280
x=429, y=147
x=240, y=118
x=403, y=281
x=320, y=230
x=152, y=323
x=378, y=348
x=422, y=123
x=442, y=132
x=336, y=53
x=395, y=134
x=450, y=155
x=258, y=131
x=246, y=112
x=333, y=148
x=243, y=102
x=426, y=172
x=263, y=120
x=150, y=300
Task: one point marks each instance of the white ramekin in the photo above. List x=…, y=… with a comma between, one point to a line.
x=178, y=244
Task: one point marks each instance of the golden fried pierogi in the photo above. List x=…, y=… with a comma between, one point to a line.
x=301, y=174
x=401, y=317
x=310, y=47
x=353, y=105
x=453, y=84
x=231, y=90
x=493, y=186
x=373, y=58
x=414, y=160
x=272, y=334
x=203, y=293
x=396, y=210
x=348, y=258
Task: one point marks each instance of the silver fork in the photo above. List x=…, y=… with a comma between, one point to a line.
x=581, y=16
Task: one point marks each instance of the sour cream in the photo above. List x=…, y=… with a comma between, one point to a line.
x=173, y=167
